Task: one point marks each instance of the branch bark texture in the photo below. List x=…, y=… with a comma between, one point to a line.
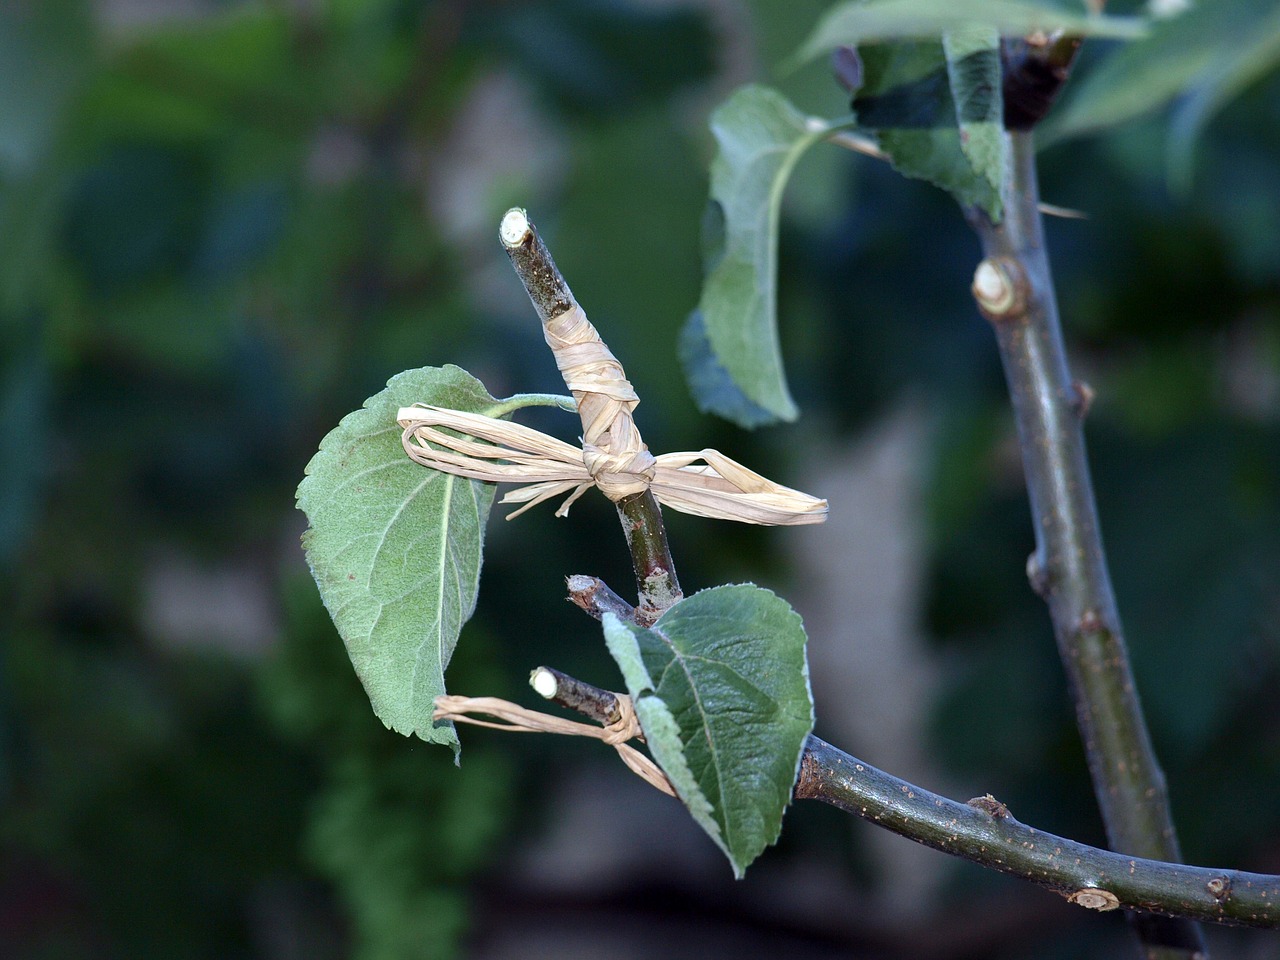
x=985, y=832
x=1014, y=289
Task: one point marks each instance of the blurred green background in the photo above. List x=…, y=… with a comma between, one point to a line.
x=224, y=224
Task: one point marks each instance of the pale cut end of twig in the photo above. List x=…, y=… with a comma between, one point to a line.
x=1000, y=289
x=514, y=227
x=1092, y=898
x=544, y=683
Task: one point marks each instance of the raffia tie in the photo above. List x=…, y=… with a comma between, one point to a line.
x=518, y=719
x=612, y=457
x=616, y=458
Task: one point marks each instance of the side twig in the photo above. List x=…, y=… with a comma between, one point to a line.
x=1014, y=289
x=597, y=598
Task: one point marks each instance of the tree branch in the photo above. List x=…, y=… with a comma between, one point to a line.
x=984, y=832
x=640, y=514
x=569, y=692
x=1014, y=289
x=594, y=596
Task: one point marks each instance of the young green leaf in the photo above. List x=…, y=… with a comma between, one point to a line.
x=712, y=387
x=761, y=136
x=721, y=686
x=396, y=548
x=907, y=99
x=854, y=23
x=1228, y=77
x=973, y=73
x=1210, y=52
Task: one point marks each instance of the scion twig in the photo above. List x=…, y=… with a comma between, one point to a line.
x=1014, y=289
x=640, y=513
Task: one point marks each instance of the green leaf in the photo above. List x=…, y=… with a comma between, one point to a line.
x=906, y=98
x=854, y=23
x=46, y=57
x=973, y=74
x=721, y=687
x=712, y=387
x=1227, y=77
x=607, y=57
x=761, y=136
x=396, y=548
x=1216, y=47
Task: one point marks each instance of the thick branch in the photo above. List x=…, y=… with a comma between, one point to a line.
x=984, y=832
x=1014, y=289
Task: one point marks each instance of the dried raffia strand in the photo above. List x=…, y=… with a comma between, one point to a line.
x=613, y=456
x=517, y=719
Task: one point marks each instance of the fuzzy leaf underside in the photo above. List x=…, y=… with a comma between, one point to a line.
x=396, y=548
x=721, y=686
x=735, y=361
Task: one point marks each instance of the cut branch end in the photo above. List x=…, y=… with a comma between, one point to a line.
x=514, y=228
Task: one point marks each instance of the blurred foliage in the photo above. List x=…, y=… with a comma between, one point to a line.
x=221, y=230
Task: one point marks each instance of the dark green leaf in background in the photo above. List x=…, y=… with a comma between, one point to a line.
x=396, y=548
x=907, y=99
x=25, y=387
x=711, y=384
x=1211, y=51
x=1257, y=54
x=600, y=55
x=851, y=24
x=45, y=59
x=973, y=71
x=721, y=687
x=760, y=136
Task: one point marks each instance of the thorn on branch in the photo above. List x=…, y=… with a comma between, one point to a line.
x=1081, y=398
x=1037, y=575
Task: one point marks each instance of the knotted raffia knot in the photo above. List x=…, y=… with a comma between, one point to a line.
x=612, y=457
x=517, y=719
x=626, y=726
x=616, y=458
